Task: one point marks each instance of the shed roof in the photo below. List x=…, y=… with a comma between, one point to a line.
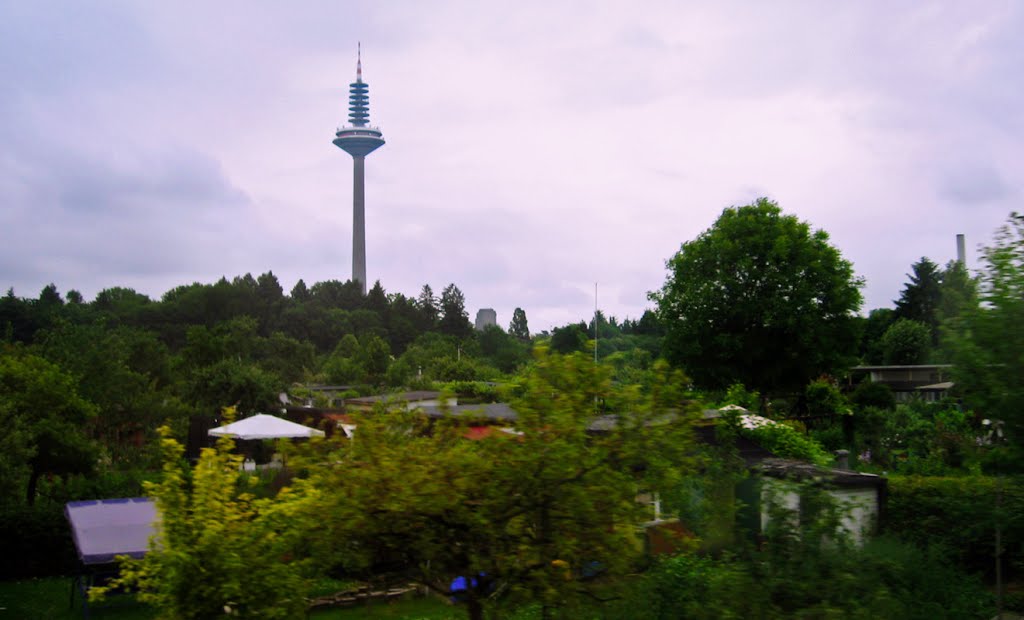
x=409, y=397
x=803, y=471
x=105, y=528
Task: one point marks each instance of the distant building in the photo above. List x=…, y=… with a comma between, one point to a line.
x=930, y=382
x=407, y=400
x=485, y=317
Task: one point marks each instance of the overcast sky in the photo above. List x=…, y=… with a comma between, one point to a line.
x=533, y=148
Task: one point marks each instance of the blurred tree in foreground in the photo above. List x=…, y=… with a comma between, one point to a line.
x=530, y=512
x=989, y=339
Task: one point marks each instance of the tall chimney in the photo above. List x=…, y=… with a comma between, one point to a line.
x=961, y=253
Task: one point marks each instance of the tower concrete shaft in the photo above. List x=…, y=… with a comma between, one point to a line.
x=358, y=222
x=359, y=140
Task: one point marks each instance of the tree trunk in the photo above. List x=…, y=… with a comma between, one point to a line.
x=33, y=482
x=475, y=609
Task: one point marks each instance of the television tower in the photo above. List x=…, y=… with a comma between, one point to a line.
x=358, y=140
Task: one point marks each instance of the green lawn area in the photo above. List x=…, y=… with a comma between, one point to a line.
x=36, y=599
x=48, y=599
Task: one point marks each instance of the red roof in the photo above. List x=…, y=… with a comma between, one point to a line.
x=476, y=433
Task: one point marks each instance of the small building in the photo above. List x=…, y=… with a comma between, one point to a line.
x=317, y=395
x=859, y=497
x=409, y=400
x=929, y=382
x=772, y=482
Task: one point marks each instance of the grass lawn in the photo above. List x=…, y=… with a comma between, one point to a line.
x=39, y=599
x=409, y=609
x=48, y=599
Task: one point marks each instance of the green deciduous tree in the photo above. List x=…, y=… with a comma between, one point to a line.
x=244, y=384
x=125, y=372
x=761, y=299
x=569, y=338
x=958, y=292
x=346, y=295
x=906, y=342
x=502, y=350
x=43, y=418
x=17, y=321
x=527, y=514
x=872, y=329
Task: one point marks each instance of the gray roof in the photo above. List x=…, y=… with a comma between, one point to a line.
x=396, y=397
x=502, y=412
x=498, y=412
x=803, y=471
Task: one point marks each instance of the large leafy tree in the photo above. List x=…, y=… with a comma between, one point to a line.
x=42, y=416
x=906, y=342
x=502, y=350
x=526, y=514
x=569, y=338
x=125, y=372
x=959, y=292
x=872, y=329
x=759, y=298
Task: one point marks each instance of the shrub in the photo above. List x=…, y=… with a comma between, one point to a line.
x=871, y=394
x=38, y=536
x=35, y=541
x=959, y=516
x=797, y=575
x=787, y=442
x=741, y=397
x=823, y=398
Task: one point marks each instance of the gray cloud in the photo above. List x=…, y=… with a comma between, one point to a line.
x=531, y=152
x=974, y=184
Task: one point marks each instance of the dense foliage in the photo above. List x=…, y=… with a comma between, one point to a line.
x=884, y=579
x=219, y=552
x=532, y=512
x=753, y=298
x=542, y=518
x=959, y=515
x=989, y=339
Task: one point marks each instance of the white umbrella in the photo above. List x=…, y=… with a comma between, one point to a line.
x=263, y=426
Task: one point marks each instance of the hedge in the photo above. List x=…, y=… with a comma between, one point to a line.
x=959, y=514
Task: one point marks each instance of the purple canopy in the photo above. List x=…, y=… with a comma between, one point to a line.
x=106, y=528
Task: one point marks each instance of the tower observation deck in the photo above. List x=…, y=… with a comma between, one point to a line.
x=358, y=139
